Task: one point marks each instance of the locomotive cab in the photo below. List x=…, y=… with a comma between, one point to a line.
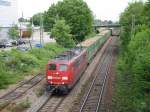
x=58, y=75
x=64, y=71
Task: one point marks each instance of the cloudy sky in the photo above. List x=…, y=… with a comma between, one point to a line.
x=102, y=9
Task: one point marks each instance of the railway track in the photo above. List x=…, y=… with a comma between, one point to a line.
x=51, y=103
x=21, y=89
x=93, y=99
x=47, y=103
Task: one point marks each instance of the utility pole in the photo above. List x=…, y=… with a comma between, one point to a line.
x=32, y=29
x=133, y=26
x=41, y=29
x=21, y=25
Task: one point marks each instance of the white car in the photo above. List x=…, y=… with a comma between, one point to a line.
x=8, y=44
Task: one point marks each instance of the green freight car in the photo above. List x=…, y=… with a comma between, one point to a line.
x=95, y=43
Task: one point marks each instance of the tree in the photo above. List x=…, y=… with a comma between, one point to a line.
x=36, y=19
x=61, y=32
x=50, y=17
x=76, y=14
x=23, y=20
x=147, y=12
x=134, y=65
x=131, y=15
x=13, y=32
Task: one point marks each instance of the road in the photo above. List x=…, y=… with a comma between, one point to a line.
x=34, y=40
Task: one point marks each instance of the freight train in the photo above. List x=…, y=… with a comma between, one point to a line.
x=65, y=70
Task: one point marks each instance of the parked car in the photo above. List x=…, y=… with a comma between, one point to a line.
x=2, y=45
x=38, y=45
x=8, y=44
x=14, y=42
x=20, y=42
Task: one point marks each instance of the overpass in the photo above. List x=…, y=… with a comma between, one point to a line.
x=108, y=26
x=115, y=28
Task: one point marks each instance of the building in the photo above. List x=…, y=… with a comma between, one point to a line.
x=8, y=16
x=8, y=13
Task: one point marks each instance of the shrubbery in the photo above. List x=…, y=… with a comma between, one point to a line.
x=16, y=64
x=133, y=79
x=132, y=88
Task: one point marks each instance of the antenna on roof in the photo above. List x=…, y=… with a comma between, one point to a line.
x=78, y=43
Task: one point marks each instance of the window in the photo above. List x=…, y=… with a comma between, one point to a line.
x=62, y=67
x=77, y=63
x=52, y=67
x=5, y=3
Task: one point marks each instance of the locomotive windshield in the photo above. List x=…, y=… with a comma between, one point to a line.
x=62, y=67
x=52, y=67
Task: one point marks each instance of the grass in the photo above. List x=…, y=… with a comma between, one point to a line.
x=3, y=104
x=21, y=107
x=39, y=92
x=14, y=64
x=127, y=96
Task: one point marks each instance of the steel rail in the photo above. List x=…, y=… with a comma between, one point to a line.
x=2, y=97
x=104, y=84
x=60, y=102
x=90, y=89
x=104, y=80
x=20, y=90
x=38, y=106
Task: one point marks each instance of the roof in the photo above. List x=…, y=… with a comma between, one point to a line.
x=65, y=57
x=58, y=61
x=90, y=41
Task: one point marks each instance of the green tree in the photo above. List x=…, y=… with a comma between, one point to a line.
x=29, y=27
x=23, y=20
x=133, y=78
x=13, y=32
x=50, y=17
x=137, y=48
x=132, y=15
x=76, y=14
x=61, y=33
x=36, y=19
x=147, y=12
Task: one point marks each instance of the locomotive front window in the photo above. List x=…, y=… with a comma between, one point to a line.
x=52, y=67
x=62, y=67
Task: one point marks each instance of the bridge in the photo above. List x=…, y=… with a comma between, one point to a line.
x=108, y=26
x=115, y=28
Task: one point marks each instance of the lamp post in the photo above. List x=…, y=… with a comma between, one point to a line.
x=20, y=30
x=41, y=29
x=133, y=26
x=32, y=29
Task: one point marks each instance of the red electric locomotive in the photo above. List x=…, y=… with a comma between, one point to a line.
x=64, y=71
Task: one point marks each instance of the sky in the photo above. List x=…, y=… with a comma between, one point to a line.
x=102, y=9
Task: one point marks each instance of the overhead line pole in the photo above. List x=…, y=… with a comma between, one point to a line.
x=133, y=26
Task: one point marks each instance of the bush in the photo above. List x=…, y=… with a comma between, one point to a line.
x=133, y=80
x=14, y=64
x=13, y=32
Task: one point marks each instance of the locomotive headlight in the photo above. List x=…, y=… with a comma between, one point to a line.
x=64, y=78
x=49, y=77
